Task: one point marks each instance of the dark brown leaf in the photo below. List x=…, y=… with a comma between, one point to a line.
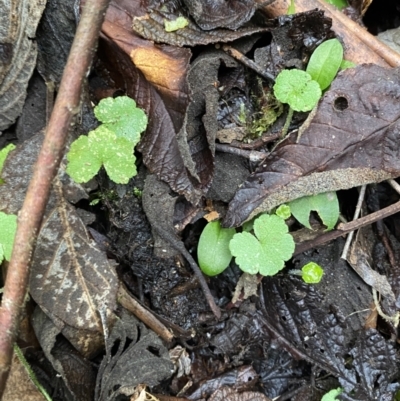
x=18, y=22
x=227, y=394
x=211, y=14
x=134, y=355
x=71, y=279
x=151, y=26
x=352, y=140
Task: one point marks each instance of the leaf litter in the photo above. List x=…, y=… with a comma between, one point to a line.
x=292, y=328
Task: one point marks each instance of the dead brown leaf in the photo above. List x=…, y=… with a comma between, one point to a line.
x=352, y=140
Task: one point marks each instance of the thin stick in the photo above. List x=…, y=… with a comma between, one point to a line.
x=355, y=217
x=132, y=305
x=252, y=155
x=31, y=214
x=347, y=227
x=247, y=62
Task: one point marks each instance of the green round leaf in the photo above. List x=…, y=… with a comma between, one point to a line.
x=82, y=165
x=312, y=273
x=101, y=147
x=325, y=62
x=296, y=88
x=213, y=249
x=248, y=252
x=121, y=116
x=267, y=253
x=283, y=211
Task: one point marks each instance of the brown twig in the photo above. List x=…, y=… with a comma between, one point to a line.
x=258, y=143
x=247, y=62
x=130, y=303
x=31, y=214
x=347, y=227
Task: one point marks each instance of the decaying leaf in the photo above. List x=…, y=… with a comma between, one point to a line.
x=134, y=355
x=151, y=26
x=71, y=279
x=352, y=140
x=77, y=373
x=211, y=14
x=227, y=394
x=18, y=51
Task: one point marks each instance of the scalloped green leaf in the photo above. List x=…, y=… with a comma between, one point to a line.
x=266, y=252
x=121, y=116
x=213, y=249
x=297, y=89
x=101, y=147
x=331, y=395
x=325, y=204
x=325, y=62
x=8, y=224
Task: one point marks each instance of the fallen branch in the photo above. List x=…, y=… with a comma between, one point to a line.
x=31, y=214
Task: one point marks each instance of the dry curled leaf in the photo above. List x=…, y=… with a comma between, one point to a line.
x=18, y=51
x=352, y=140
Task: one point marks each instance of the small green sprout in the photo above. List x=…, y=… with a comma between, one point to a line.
x=311, y=273
x=331, y=395
x=325, y=204
x=137, y=192
x=213, y=249
x=325, y=62
x=3, y=155
x=179, y=23
x=266, y=252
x=8, y=224
x=291, y=9
x=283, y=211
x=111, y=144
x=297, y=89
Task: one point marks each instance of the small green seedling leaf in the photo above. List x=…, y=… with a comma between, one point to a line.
x=338, y=3
x=297, y=89
x=312, y=273
x=266, y=252
x=325, y=62
x=325, y=204
x=283, y=211
x=179, y=23
x=121, y=116
x=291, y=9
x=101, y=147
x=347, y=64
x=331, y=396
x=8, y=224
x=213, y=250
x=3, y=155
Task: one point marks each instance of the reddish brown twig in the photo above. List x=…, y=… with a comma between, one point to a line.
x=31, y=214
x=347, y=227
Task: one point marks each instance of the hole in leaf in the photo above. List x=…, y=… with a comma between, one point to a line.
x=153, y=350
x=341, y=103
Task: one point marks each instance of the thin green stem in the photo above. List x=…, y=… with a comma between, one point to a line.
x=30, y=372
